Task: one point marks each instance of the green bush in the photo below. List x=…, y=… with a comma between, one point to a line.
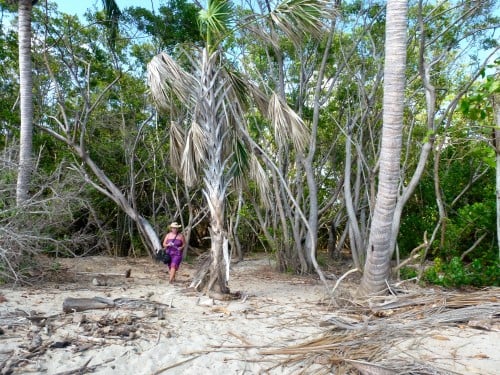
x=456, y=273
x=406, y=273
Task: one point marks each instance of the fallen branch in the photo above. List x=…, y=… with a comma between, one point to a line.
x=81, y=304
x=175, y=365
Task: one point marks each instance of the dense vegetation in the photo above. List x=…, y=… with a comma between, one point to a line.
x=94, y=117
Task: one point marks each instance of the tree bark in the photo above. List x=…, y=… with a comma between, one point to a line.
x=26, y=102
x=496, y=144
x=377, y=266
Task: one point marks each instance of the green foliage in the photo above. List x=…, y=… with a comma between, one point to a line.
x=456, y=273
x=477, y=105
x=175, y=23
x=408, y=273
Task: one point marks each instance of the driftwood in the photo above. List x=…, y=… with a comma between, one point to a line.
x=81, y=304
x=71, y=304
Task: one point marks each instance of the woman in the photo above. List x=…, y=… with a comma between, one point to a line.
x=174, y=244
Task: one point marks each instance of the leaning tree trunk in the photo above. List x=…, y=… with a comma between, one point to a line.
x=26, y=102
x=377, y=266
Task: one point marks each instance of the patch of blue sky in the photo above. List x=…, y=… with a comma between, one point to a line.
x=79, y=7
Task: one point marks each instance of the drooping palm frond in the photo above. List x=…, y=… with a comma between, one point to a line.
x=261, y=178
x=239, y=86
x=168, y=80
x=197, y=133
x=240, y=161
x=298, y=18
x=177, y=143
x=188, y=164
x=287, y=124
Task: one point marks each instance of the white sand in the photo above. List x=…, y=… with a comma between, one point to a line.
x=198, y=335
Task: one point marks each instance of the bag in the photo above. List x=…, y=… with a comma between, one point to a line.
x=166, y=257
x=163, y=256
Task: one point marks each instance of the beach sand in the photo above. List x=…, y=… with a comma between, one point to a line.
x=158, y=328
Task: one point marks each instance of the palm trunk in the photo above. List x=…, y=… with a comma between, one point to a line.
x=377, y=266
x=26, y=102
x=216, y=182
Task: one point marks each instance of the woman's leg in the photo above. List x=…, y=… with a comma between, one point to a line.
x=172, y=274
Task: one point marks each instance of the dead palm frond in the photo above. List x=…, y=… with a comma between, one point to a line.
x=287, y=124
x=177, y=144
x=168, y=80
x=199, y=138
x=189, y=168
x=261, y=178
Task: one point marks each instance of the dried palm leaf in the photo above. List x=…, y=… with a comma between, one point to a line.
x=287, y=124
x=167, y=80
x=177, y=143
x=199, y=139
x=260, y=176
x=188, y=163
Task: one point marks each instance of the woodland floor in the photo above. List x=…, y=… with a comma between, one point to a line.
x=282, y=324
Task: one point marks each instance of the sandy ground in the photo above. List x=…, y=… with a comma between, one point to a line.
x=157, y=328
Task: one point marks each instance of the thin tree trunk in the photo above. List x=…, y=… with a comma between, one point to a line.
x=26, y=102
x=354, y=232
x=496, y=144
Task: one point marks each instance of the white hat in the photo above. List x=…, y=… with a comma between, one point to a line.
x=175, y=225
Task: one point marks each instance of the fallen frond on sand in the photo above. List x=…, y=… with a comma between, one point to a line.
x=363, y=338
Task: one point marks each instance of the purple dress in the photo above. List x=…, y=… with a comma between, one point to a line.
x=175, y=253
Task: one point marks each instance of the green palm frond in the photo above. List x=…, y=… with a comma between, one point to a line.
x=239, y=86
x=215, y=21
x=239, y=162
x=168, y=80
x=298, y=18
x=240, y=158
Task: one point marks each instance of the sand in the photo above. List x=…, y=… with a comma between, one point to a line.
x=158, y=328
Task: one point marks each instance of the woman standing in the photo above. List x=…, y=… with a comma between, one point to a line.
x=174, y=244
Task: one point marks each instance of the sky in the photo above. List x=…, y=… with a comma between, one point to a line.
x=79, y=7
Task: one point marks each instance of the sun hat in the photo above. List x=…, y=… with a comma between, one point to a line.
x=175, y=225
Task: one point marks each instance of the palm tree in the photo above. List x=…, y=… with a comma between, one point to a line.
x=379, y=252
x=26, y=101
x=211, y=100
x=26, y=88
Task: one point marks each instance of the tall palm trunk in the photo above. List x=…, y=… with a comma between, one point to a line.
x=214, y=124
x=377, y=266
x=26, y=102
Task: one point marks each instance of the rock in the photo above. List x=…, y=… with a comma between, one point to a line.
x=99, y=281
